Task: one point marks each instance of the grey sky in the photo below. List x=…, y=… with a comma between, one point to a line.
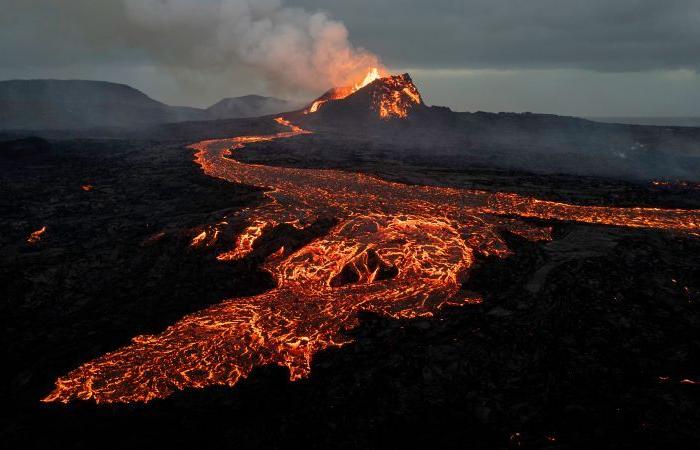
x=593, y=57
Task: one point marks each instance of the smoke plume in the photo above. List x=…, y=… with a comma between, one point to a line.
x=293, y=49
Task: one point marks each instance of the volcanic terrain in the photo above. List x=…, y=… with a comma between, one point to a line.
x=395, y=250
x=496, y=317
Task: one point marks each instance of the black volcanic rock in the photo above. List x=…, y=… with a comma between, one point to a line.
x=581, y=342
x=383, y=99
x=25, y=149
x=249, y=106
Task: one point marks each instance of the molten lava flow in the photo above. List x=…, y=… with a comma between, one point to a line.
x=395, y=97
x=35, y=236
x=245, y=241
x=396, y=250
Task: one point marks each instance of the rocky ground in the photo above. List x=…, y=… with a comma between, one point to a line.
x=588, y=341
x=456, y=167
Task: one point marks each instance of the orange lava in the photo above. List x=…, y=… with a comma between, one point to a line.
x=397, y=96
x=397, y=250
x=35, y=236
x=199, y=239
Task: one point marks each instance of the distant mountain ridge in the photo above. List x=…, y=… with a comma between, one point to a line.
x=249, y=106
x=85, y=104
x=654, y=121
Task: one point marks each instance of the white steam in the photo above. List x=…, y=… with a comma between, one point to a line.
x=292, y=48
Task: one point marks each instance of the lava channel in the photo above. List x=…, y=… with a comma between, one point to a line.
x=397, y=250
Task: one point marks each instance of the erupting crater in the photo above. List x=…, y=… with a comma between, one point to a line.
x=397, y=250
x=393, y=96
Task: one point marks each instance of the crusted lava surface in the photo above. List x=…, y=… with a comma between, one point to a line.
x=577, y=329
x=427, y=237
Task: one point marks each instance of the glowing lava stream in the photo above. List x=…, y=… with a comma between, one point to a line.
x=396, y=250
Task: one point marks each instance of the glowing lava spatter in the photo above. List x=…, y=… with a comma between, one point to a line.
x=372, y=75
x=396, y=250
x=35, y=236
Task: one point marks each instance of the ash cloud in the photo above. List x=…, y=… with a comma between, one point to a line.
x=291, y=48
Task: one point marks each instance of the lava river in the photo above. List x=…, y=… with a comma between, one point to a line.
x=397, y=250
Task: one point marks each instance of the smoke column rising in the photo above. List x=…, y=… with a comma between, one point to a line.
x=294, y=49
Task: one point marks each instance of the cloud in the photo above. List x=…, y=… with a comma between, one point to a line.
x=601, y=35
x=292, y=48
x=564, y=91
x=535, y=51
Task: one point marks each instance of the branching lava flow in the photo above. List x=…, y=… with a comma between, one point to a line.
x=396, y=250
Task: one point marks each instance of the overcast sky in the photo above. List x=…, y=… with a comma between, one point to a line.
x=590, y=58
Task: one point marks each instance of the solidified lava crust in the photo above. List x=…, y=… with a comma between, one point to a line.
x=396, y=250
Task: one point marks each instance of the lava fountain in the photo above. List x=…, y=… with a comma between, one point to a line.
x=397, y=250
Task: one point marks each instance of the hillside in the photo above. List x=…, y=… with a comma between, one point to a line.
x=389, y=116
x=83, y=105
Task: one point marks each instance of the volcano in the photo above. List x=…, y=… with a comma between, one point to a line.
x=388, y=113
x=377, y=98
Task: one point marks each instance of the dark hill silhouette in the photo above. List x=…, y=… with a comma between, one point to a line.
x=249, y=106
x=79, y=104
x=84, y=105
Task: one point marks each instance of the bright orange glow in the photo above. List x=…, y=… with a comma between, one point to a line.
x=197, y=240
x=35, y=236
x=397, y=96
x=681, y=184
x=397, y=250
x=245, y=241
x=87, y=187
x=333, y=94
x=386, y=105
x=372, y=75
